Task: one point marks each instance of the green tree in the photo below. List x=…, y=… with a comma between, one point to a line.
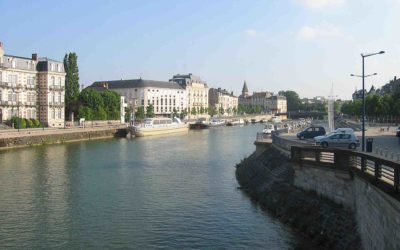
x=71, y=82
x=111, y=102
x=293, y=100
x=193, y=111
x=150, y=111
x=221, y=110
x=175, y=112
x=140, y=113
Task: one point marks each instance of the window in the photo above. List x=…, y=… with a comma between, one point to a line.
x=317, y=129
x=1, y=93
x=345, y=136
x=59, y=98
x=53, y=81
x=59, y=113
x=59, y=81
x=59, y=69
x=51, y=66
x=53, y=114
x=13, y=64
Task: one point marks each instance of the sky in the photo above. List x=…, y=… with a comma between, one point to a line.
x=303, y=45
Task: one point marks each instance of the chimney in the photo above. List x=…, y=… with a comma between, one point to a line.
x=34, y=57
x=395, y=78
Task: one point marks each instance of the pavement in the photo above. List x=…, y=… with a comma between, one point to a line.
x=385, y=143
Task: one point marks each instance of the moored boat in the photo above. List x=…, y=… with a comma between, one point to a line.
x=235, y=122
x=159, y=126
x=201, y=123
x=216, y=122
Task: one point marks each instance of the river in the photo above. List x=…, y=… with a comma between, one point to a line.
x=176, y=191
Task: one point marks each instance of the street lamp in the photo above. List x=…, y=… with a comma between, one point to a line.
x=363, y=56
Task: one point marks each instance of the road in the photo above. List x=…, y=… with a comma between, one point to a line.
x=385, y=143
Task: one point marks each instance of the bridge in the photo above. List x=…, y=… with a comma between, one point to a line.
x=367, y=184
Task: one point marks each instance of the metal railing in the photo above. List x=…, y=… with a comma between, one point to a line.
x=383, y=173
x=56, y=87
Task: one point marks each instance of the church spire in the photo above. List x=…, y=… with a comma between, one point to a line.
x=245, y=91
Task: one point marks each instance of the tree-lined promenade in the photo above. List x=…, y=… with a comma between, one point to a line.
x=377, y=107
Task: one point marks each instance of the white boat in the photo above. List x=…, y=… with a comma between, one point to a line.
x=215, y=122
x=235, y=122
x=276, y=119
x=160, y=126
x=268, y=129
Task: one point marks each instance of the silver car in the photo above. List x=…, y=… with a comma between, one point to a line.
x=338, y=140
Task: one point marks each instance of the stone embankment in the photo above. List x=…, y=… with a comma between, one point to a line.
x=60, y=136
x=268, y=178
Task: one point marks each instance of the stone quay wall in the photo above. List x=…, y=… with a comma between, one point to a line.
x=34, y=140
x=377, y=213
x=268, y=177
x=378, y=216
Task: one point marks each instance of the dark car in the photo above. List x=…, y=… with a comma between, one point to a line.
x=311, y=132
x=398, y=132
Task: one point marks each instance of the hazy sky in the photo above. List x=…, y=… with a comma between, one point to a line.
x=301, y=45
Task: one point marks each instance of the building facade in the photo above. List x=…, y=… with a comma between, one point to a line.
x=220, y=99
x=51, y=87
x=276, y=104
x=164, y=96
x=25, y=91
x=197, y=92
x=267, y=100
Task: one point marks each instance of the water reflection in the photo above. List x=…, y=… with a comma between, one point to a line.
x=168, y=191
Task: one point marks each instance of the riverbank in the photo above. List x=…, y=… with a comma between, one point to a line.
x=268, y=178
x=56, y=136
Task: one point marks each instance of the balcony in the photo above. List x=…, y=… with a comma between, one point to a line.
x=4, y=84
x=56, y=87
x=30, y=86
x=56, y=104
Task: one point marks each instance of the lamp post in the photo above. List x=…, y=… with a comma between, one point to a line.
x=363, y=56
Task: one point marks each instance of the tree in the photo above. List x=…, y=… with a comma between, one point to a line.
x=140, y=113
x=174, y=113
x=150, y=111
x=293, y=100
x=221, y=111
x=111, y=102
x=71, y=82
x=193, y=111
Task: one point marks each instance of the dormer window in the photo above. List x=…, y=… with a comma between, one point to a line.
x=13, y=64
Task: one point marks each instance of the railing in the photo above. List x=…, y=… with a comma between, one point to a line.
x=56, y=87
x=383, y=173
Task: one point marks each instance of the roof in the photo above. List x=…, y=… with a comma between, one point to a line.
x=137, y=83
x=19, y=57
x=245, y=87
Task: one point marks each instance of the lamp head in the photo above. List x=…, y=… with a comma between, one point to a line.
x=375, y=74
x=381, y=52
x=351, y=74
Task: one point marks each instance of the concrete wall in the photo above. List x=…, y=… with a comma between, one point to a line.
x=334, y=184
x=378, y=216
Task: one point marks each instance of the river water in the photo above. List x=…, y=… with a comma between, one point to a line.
x=176, y=191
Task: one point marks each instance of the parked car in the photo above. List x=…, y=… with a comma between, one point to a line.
x=346, y=140
x=311, y=132
x=344, y=130
x=398, y=132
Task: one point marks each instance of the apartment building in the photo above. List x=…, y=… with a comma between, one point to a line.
x=221, y=98
x=27, y=88
x=197, y=92
x=276, y=104
x=267, y=100
x=164, y=96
